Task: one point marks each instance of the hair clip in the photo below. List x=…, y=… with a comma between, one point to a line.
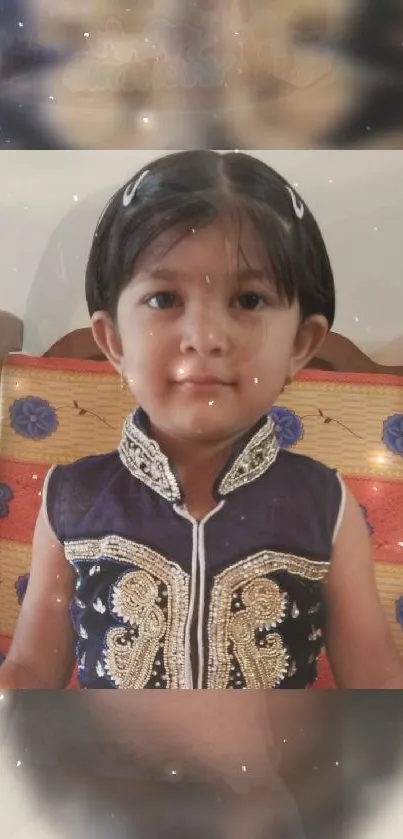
x=299, y=208
x=132, y=188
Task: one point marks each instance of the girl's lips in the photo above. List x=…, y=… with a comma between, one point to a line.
x=203, y=382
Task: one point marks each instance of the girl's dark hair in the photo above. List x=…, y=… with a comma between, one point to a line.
x=192, y=189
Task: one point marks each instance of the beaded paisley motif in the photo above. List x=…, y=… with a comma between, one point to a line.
x=247, y=609
x=264, y=608
x=151, y=602
x=131, y=650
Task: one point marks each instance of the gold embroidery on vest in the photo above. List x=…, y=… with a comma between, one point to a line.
x=253, y=461
x=265, y=607
x=145, y=460
x=130, y=653
x=261, y=604
x=135, y=598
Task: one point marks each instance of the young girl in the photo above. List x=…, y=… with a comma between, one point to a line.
x=199, y=554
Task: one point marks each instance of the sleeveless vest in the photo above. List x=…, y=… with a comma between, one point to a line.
x=234, y=601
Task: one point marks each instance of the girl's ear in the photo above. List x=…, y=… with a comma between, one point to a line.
x=107, y=338
x=308, y=341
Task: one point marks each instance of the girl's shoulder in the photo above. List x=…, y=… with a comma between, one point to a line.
x=70, y=490
x=301, y=465
x=312, y=487
x=87, y=469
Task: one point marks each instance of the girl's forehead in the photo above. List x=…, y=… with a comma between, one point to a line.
x=221, y=242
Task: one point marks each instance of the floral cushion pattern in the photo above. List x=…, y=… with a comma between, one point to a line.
x=57, y=410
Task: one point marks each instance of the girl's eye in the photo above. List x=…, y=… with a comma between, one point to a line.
x=251, y=301
x=162, y=300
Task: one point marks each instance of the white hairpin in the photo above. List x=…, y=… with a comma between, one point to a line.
x=299, y=208
x=132, y=188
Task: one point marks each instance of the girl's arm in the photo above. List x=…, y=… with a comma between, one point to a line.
x=42, y=651
x=359, y=642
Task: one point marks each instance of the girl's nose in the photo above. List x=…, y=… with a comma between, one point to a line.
x=205, y=332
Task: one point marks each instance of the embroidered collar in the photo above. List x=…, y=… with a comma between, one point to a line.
x=145, y=460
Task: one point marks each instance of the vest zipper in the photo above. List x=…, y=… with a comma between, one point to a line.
x=192, y=602
x=197, y=605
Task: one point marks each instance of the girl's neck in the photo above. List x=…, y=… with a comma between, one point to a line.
x=197, y=482
x=197, y=467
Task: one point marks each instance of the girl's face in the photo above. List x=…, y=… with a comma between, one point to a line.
x=202, y=337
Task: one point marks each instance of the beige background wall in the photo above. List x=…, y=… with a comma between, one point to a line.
x=50, y=202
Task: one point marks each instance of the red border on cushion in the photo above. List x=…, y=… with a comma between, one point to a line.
x=23, y=508
x=381, y=500
x=325, y=680
x=104, y=367
x=5, y=644
x=350, y=378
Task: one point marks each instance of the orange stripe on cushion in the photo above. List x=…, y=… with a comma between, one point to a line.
x=59, y=416
x=344, y=425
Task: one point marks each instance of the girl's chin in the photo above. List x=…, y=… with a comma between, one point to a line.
x=209, y=419
x=199, y=432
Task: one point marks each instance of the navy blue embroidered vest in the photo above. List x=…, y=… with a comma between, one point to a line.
x=163, y=601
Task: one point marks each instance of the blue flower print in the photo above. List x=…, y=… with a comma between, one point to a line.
x=371, y=529
x=33, y=417
x=6, y=495
x=393, y=434
x=399, y=610
x=288, y=426
x=21, y=587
